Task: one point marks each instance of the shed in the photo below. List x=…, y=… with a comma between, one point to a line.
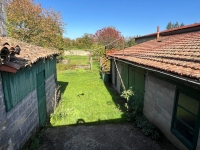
x=27, y=90
x=165, y=71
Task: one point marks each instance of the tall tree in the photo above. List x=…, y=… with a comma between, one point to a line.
x=182, y=24
x=109, y=37
x=30, y=22
x=174, y=25
x=169, y=25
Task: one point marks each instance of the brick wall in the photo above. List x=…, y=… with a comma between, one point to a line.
x=158, y=106
x=17, y=125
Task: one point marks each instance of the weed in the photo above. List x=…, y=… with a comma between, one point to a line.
x=35, y=141
x=147, y=128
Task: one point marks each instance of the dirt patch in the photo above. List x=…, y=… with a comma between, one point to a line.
x=103, y=136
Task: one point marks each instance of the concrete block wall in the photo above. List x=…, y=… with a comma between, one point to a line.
x=158, y=106
x=50, y=86
x=17, y=125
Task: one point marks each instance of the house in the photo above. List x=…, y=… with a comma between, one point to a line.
x=27, y=90
x=164, y=71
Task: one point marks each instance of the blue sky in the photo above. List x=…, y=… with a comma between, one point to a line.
x=130, y=17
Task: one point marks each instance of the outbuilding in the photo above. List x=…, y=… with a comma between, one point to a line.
x=27, y=90
x=164, y=70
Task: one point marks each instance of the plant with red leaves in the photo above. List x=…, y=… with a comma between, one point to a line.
x=109, y=37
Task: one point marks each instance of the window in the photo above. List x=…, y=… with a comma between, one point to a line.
x=185, y=124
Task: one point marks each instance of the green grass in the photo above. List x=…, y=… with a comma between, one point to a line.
x=86, y=98
x=73, y=62
x=78, y=60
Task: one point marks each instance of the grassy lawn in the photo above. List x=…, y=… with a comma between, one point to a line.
x=73, y=62
x=78, y=60
x=85, y=98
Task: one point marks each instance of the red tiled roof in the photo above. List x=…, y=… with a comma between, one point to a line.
x=178, y=54
x=29, y=53
x=172, y=30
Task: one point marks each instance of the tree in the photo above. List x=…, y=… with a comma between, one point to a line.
x=109, y=37
x=172, y=25
x=176, y=25
x=182, y=24
x=84, y=42
x=30, y=22
x=169, y=25
x=129, y=41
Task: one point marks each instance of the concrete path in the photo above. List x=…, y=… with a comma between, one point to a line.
x=100, y=137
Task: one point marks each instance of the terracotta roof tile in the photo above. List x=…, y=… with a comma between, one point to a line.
x=178, y=54
x=29, y=53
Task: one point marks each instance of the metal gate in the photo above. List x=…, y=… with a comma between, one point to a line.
x=41, y=98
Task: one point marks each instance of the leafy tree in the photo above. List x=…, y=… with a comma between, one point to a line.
x=109, y=37
x=129, y=41
x=68, y=43
x=84, y=42
x=30, y=22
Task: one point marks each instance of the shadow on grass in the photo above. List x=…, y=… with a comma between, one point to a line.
x=63, y=86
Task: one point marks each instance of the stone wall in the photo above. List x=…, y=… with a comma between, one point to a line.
x=77, y=52
x=17, y=125
x=3, y=29
x=158, y=106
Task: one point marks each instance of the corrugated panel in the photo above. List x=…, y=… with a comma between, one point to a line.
x=41, y=97
x=17, y=86
x=50, y=67
x=124, y=74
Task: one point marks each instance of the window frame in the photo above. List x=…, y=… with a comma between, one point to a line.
x=193, y=93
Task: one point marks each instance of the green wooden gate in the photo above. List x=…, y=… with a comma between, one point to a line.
x=137, y=82
x=41, y=98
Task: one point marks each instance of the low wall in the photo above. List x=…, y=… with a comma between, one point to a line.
x=77, y=52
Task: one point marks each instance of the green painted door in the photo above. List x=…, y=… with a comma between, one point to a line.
x=41, y=98
x=139, y=85
x=137, y=82
x=131, y=81
x=124, y=74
